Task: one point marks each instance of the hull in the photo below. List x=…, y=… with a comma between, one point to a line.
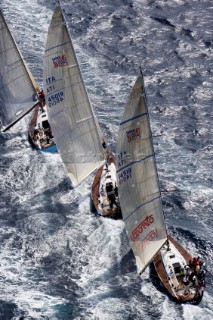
x=170, y=266
x=104, y=190
x=40, y=134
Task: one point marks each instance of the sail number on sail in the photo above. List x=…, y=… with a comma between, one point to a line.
x=122, y=158
x=56, y=98
x=125, y=175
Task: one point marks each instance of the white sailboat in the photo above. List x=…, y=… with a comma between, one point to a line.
x=18, y=89
x=141, y=203
x=74, y=125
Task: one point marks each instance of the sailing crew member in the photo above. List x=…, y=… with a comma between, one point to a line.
x=187, y=271
x=42, y=99
x=41, y=95
x=196, y=264
x=190, y=264
x=104, y=145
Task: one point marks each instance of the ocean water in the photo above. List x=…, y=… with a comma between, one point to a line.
x=57, y=259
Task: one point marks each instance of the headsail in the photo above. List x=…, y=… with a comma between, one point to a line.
x=75, y=129
x=139, y=191
x=17, y=85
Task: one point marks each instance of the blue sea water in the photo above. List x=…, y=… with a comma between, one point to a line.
x=57, y=260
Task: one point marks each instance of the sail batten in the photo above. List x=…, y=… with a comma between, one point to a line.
x=75, y=129
x=133, y=118
x=57, y=46
x=139, y=191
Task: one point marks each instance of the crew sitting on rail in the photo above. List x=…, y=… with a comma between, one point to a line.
x=195, y=272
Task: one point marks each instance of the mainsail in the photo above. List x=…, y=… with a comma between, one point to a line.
x=139, y=191
x=75, y=129
x=17, y=85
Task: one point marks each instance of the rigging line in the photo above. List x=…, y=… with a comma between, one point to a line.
x=164, y=191
x=20, y=117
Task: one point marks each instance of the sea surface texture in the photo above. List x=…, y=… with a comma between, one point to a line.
x=58, y=261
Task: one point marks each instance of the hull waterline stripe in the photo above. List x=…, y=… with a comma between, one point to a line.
x=133, y=118
x=136, y=161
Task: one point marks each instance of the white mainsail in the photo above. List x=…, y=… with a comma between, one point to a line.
x=138, y=185
x=17, y=85
x=75, y=129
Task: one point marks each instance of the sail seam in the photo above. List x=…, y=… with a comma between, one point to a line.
x=143, y=204
x=133, y=118
x=136, y=161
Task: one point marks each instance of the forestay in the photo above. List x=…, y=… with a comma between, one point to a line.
x=138, y=182
x=72, y=120
x=17, y=86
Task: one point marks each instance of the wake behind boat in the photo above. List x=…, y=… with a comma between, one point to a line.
x=19, y=92
x=141, y=205
x=75, y=128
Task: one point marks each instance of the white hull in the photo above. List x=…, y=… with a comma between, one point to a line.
x=108, y=193
x=104, y=190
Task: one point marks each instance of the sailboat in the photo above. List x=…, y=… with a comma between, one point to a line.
x=76, y=130
x=40, y=132
x=19, y=92
x=141, y=204
x=105, y=190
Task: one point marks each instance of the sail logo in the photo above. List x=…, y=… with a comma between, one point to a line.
x=151, y=236
x=59, y=61
x=133, y=134
x=141, y=227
